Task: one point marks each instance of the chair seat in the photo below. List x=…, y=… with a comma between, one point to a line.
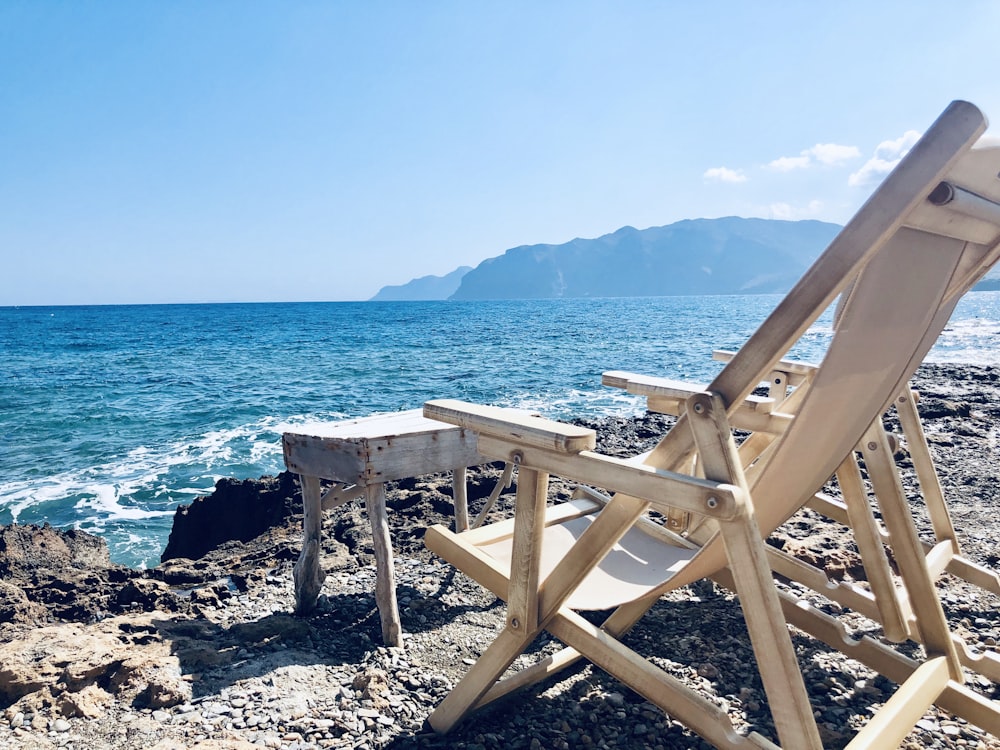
x=639, y=563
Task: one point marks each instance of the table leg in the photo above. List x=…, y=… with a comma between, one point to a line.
x=460, y=495
x=385, y=577
x=307, y=574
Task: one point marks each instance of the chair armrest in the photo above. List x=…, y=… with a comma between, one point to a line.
x=649, y=385
x=511, y=424
x=567, y=451
x=667, y=396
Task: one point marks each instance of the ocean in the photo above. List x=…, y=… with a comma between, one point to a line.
x=112, y=416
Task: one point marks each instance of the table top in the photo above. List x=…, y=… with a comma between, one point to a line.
x=409, y=422
x=379, y=448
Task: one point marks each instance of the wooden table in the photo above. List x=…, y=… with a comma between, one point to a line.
x=361, y=455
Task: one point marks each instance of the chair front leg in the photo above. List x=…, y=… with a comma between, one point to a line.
x=523, y=623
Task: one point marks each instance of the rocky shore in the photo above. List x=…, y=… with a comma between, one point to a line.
x=203, y=651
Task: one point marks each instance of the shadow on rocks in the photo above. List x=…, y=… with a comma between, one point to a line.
x=212, y=657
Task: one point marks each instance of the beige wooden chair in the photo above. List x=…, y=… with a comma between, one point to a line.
x=884, y=595
x=884, y=598
x=905, y=257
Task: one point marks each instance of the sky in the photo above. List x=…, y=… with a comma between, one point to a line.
x=173, y=152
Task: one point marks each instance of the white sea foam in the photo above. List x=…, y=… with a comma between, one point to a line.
x=148, y=481
x=160, y=475
x=302, y=422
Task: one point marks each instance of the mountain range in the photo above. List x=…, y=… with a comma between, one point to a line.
x=424, y=288
x=729, y=255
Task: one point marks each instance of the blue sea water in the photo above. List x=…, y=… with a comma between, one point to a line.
x=111, y=416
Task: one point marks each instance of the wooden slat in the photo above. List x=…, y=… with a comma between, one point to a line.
x=506, y=423
x=558, y=513
x=953, y=211
x=897, y=717
x=484, y=569
x=923, y=464
x=880, y=658
x=798, y=372
x=791, y=366
x=778, y=384
x=830, y=507
x=531, y=675
x=409, y=456
x=742, y=419
x=526, y=550
x=311, y=456
x=650, y=385
x=664, y=489
x=943, y=221
x=907, y=549
x=393, y=424
x=978, y=575
x=340, y=494
x=986, y=663
x=893, y=613
x=938, y=557
x=845, y=594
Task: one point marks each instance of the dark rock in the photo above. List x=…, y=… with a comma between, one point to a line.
x=15, y=607
x=28, y=550
x=146, y=593
x=181, y=571
x=934, y=408
x=67, y=575
x=239, y=510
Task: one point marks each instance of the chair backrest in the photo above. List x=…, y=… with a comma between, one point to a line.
x=904, y=263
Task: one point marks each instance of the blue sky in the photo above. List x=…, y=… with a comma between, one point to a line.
x=233, y=151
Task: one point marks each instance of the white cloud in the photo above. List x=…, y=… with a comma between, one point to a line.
x=887, y=155
x=833, y=154
x=788, y=163
x=827, y=154
x=725, y=174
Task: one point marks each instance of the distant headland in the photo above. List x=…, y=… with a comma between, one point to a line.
x=729, y=255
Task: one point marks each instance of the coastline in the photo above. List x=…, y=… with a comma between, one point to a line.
x=204, y=653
